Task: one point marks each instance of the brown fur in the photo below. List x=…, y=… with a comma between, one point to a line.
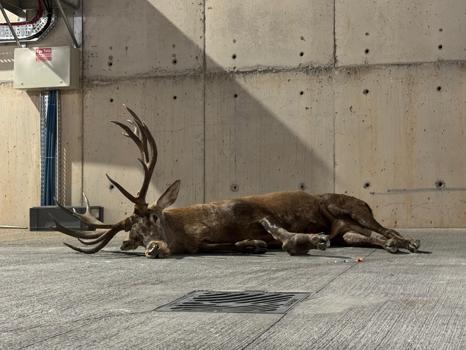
x=296, y=221
x=298, y=215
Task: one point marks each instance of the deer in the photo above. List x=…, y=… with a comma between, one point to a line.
x=294, y=221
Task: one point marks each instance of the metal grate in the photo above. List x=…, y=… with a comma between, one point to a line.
x=239, y=302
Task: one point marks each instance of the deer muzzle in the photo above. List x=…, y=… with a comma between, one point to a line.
x=157, y=250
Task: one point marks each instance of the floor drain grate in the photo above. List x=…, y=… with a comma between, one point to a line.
x=241, y=302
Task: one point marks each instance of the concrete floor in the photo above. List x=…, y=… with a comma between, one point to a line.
x=54, y=298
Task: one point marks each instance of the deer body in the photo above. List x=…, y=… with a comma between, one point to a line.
x=235, y=220
x=297, y=221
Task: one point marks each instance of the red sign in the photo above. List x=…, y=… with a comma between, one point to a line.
x=44, y=54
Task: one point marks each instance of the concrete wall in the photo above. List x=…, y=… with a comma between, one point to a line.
x=255, y=96
x=20, y=139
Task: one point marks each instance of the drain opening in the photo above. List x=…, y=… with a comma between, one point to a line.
x=239, y=302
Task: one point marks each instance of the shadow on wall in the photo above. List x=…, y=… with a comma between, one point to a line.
x=224, y=133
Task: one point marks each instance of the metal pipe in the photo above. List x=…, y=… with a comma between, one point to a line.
x=67, y=23
x=9, y=24
x=13, y=227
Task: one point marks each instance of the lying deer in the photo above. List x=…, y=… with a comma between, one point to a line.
x=296, y=221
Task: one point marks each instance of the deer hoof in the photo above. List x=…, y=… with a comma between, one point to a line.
x=414, y=245
x=391, y=246
x=315, y=241
x=152, y=250
x=324, y=242
x=322, y=246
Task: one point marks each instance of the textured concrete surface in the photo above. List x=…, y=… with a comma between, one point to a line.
x=53, y=298
x=284, y=142
x=398, y=31
x=404, y=146
x=255, y=35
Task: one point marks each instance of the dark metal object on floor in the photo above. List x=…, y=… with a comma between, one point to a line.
x=238, y=302
x=41, y=218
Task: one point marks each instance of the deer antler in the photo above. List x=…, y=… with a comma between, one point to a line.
x=145, y=142
x=86, y=218
x=101, y=238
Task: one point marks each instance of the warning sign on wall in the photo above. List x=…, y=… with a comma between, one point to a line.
x=43, y=54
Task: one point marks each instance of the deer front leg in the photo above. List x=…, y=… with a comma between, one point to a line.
x=295, y=243
x=134, y=241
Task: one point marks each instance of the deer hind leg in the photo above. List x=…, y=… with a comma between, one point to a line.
x=353, y=238
x=362, y=215
x=295, y=243
x=356, y=235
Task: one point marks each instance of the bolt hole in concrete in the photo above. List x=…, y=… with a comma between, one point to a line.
x=302, y=186
x=234, y=188
x=366, y=33
x=111, y=187
x=440, y=29
x=301, y=93
x=439, y=88
x=440, y=184
x=175, y=97
x=175, y=61
x=366, y=51
x=235, y=95
x=365, y=91
x=111, y=100
x=301, y=54
x=233, y=56
x=110, y=64
x=366, y=184
x=440, y=47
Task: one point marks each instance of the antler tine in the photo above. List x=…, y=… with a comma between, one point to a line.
x=151, y=166
x=102, y=238
x=98, y=239
x=132, y=135
x=86, y=218
x=123, y=190
x=139, y=142
x=93, y=249
x=141, y=126
x=75, y=233
x=86, y=203
x=133, y=124
x=144, y=140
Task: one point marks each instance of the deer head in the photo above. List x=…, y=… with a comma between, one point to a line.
x=146, y=224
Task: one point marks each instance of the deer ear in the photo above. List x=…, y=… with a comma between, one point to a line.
x=169, y=196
